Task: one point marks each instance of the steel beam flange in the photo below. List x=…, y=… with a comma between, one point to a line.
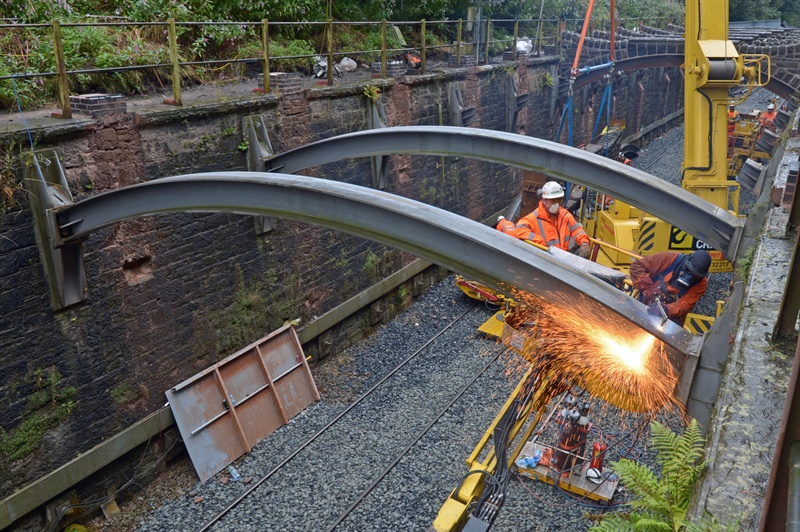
x=452, y=241
x=380, y=164
x=259, y=149
x=696, y=216
x=63, y=264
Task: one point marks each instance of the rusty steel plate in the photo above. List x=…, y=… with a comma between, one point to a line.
x=225, y=410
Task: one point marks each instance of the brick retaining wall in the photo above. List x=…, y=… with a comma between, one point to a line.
x=169, y=295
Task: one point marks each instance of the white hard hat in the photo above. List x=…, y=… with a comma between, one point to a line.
x=770, y=107
x=551, y=190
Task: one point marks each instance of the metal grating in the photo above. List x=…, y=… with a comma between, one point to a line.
x=224, y=411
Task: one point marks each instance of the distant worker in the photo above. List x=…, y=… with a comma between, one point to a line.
x=549, y=224
x=767, y=118
x=733, y=117
x=678, y=280
x=624, y=159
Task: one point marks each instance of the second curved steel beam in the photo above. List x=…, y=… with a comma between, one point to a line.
x=713, y=225
x=447, y=239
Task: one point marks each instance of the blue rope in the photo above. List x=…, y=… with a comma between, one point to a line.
x=567, y=107
x=606, y=96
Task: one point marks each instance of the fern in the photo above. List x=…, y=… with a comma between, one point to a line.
x=660, y=504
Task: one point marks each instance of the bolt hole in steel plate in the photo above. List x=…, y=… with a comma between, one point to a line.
x=225, y=410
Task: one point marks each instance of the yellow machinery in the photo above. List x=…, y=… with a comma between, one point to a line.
x=746, y=143
x=712, y=66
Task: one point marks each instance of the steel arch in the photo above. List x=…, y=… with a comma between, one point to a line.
x=447, y=239
x=774, y=85
x=713, y=225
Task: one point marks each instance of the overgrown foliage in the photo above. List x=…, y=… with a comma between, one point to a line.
x=48, y=405
x=661, y=503
x=28, y=49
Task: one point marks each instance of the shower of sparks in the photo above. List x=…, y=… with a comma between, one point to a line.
x=599, y=352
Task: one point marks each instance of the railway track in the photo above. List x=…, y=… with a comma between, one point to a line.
x=344, y=474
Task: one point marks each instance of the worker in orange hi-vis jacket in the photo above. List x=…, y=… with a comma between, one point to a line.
x=733, y=117
x=678, y=280
x=767, y=118
x=549, y=224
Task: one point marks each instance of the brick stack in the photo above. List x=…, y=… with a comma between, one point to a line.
x=394, y=69
x=791, y=183
x=466, y=61
x=283, y=82
x=98, y=104
x=508, y=55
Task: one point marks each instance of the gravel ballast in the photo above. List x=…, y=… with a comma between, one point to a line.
x=324, y=479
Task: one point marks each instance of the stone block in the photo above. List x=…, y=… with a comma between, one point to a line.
x=98, y=104
x=466, y=61
x=393, y=69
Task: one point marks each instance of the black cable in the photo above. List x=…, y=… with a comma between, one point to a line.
x=107, y=498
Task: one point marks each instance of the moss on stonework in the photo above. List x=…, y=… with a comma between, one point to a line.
x=245, y=318
x=47, y=407
x=124, y=393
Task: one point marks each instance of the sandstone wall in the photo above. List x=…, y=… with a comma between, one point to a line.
x=171, y=294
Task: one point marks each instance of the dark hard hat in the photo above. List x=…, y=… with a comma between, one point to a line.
x=698, y=263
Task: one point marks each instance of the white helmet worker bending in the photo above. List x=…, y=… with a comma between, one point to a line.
x=550, y=224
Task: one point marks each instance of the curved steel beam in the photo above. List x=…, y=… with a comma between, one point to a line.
x=774, y=85
x=447, y=239
x=713, y=225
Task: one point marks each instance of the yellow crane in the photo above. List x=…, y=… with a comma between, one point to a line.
x=712, y=66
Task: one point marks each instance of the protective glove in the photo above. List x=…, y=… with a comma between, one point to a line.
x=584, y=251
x=652, y=293
x=653, y=309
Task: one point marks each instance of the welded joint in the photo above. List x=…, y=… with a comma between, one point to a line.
x=63, y=262
x=376, y=119
x=259, y=149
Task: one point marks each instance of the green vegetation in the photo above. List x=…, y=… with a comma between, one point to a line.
x=124, y=393
x=49, y=405
x=661, y=503
x=27, y=49
x=10, y=186
x=745, y=262
x=372, y=92
x=246, y=318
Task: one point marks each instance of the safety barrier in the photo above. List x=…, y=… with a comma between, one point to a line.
x=470, y=39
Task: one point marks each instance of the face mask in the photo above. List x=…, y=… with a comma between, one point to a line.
x=553, y=208
x=685, y=278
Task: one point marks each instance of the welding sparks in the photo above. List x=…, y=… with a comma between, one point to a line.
x=633, y=354
x=600, y=353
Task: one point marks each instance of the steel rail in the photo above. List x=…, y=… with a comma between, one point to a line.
x=457, y=243
x=388, y=469
x=711, y=224
x=332, y=422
